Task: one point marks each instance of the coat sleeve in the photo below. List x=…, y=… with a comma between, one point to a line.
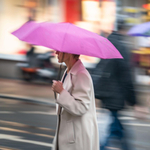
x=125, y=80
x=77, y=103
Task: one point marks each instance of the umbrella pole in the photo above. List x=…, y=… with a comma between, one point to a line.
x=58, y=77
x=59, y=73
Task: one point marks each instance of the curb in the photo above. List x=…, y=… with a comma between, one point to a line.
x=29, y=99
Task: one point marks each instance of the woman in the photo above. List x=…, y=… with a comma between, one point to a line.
x=77, y=125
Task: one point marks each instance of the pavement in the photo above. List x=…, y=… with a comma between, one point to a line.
x=36, y=92
x=22, y=118
x=39, y=93
x=24, y=126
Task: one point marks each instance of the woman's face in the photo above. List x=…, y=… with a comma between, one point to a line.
x=62, y=57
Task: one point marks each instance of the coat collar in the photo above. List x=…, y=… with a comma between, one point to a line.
x=76, y=67
x=68, y=81
x=74, y=70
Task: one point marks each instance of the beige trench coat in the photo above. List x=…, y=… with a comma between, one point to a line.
x=78, y=123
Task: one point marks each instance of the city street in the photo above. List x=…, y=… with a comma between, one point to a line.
x=26, y=126
x=40, y=39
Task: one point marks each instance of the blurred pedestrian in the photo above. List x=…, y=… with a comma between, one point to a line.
x=31, y=55
x=114, y=86
x=77, y=124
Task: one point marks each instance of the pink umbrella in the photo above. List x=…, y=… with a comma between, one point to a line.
x=66, y=37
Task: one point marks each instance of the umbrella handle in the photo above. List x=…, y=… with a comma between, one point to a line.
x=59, y=73
x=55, y=95
x=60, y=69
x=58, y=77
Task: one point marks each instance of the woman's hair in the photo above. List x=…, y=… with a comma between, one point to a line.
x=76, y=56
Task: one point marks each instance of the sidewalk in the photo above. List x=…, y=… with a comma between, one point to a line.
x=41, y=93
x=30, y=92
x=38, y=93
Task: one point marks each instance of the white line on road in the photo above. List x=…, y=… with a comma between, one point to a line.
x=26, y=132
x=129, y=124
x=24, y=125
x=6, y=112
x=137, y=124
x=7, y=148
x=30, y=112
x=127, y=118
x=39, y=112
x=19, y=139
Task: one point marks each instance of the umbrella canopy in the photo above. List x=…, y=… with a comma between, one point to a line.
x=140, y=30
x=66, y=37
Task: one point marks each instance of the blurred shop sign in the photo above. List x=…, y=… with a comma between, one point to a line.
x=30, y=3
x=90, y=10
x=146, y=6
x=147, y=11
x=108, y=15
x=141, y=57
x=108, y=0
x=72, y=11
x=90, y=0
x=132, y=15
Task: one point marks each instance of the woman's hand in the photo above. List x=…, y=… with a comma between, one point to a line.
x=57, y=86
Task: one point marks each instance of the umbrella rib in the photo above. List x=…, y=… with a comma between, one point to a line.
x=105, y=43
x=64, y=37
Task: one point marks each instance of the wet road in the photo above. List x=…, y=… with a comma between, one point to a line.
x=26, y=126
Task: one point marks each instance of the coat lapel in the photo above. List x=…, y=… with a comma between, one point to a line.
x=67, y=85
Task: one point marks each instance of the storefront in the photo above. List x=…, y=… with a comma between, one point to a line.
x=92, y=15
x=89, y=14
x=14, y=13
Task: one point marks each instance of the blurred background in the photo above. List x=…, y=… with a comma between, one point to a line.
x=27, y=110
